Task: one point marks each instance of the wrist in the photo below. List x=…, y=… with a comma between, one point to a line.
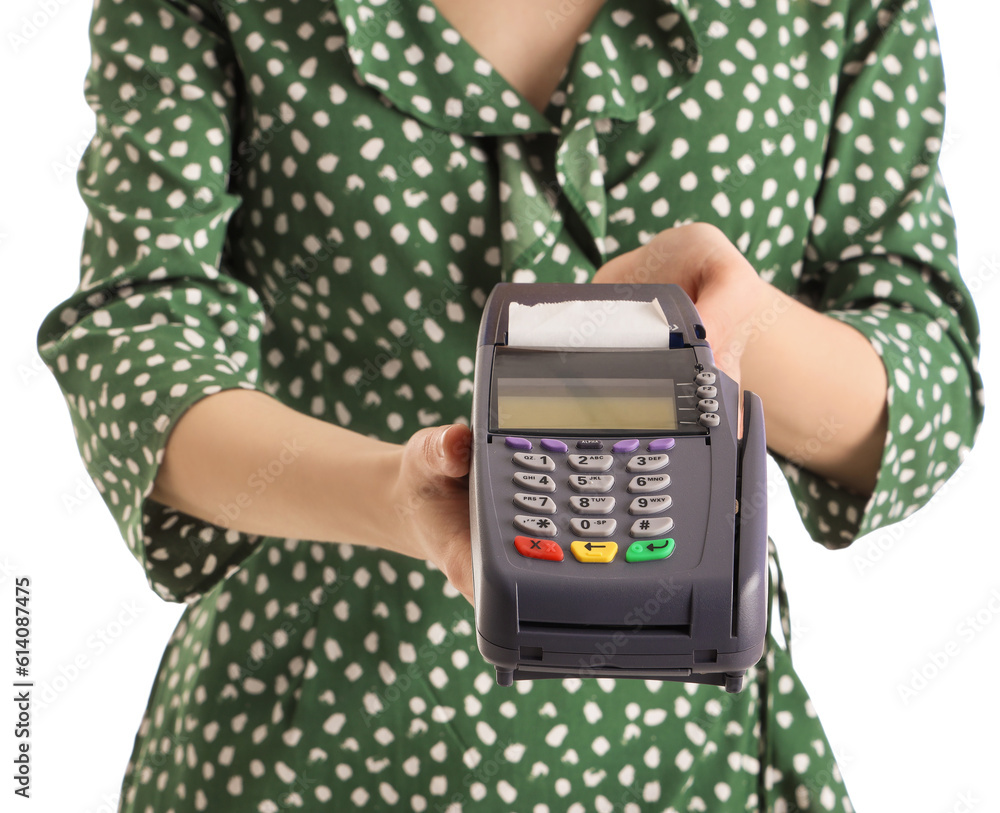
x=766, y=308
x=353, y=484
x=737, y=306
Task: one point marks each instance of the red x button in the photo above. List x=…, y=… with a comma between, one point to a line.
x=538, y=548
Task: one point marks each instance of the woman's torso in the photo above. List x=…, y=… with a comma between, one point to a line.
x=374, y=226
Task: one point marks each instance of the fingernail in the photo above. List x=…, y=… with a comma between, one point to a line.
x=441, y=443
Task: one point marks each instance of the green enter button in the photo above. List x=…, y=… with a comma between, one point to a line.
x=649, y=550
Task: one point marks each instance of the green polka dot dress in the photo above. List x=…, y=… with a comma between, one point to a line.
x=314, y=199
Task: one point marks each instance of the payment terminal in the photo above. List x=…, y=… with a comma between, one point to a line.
x=618, y=515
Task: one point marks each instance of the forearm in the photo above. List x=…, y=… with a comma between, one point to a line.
x=823, y=387
x=244, y=460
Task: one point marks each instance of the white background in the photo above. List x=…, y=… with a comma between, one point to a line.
x=865, y=618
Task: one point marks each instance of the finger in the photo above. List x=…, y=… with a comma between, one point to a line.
x=460, y=574
x=618, y=269
x=454, y=559
x=443, y=450
x=456, y=443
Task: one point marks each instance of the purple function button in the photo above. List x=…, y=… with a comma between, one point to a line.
x=661, y=445
x=626, y=446
x=551, y=445
x=518, y=443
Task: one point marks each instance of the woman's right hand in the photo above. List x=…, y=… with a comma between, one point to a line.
x=430, y=501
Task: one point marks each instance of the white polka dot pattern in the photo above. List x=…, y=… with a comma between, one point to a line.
x=313, y=199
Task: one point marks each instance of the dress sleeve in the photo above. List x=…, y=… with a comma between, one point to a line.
x=882, y=258
x=155, y=324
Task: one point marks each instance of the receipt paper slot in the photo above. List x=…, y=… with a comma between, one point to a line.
x=618, y=516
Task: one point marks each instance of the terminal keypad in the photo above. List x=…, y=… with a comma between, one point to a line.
x=574, y=492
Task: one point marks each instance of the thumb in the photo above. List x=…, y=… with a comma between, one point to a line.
x=619, y=269
x=445, y=450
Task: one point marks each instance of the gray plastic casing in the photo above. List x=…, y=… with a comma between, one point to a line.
x=697, y=616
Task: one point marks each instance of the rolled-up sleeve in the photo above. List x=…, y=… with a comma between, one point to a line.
x=882, y=257
x=156, y=322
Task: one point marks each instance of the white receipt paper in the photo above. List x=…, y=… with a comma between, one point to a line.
x=598, y=323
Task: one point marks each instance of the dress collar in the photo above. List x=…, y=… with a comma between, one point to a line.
x=626, y=64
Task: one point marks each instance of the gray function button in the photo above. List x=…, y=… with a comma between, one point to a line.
x=535, y=462
x=708, y=405
x=651, y=527
x=591, y=483
x=538, y=503
x=592, y=505
x=647, y=462
x=593, y=527
x=539, y=526
x=536, y=482
x=707, y=392
x=649, y=505
x=647, y=484
x=704, y=379
x=591, y=462
x=710, y=419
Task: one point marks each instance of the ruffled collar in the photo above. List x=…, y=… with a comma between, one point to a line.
x=626, y=64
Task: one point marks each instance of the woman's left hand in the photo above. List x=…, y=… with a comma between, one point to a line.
x=729, y=295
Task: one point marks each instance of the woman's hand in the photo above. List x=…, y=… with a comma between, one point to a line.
x=430, y=501
x=836, y=424
x=333, y=485
x=732, y=300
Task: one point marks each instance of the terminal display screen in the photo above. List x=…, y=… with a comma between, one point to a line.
x=586, y=404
